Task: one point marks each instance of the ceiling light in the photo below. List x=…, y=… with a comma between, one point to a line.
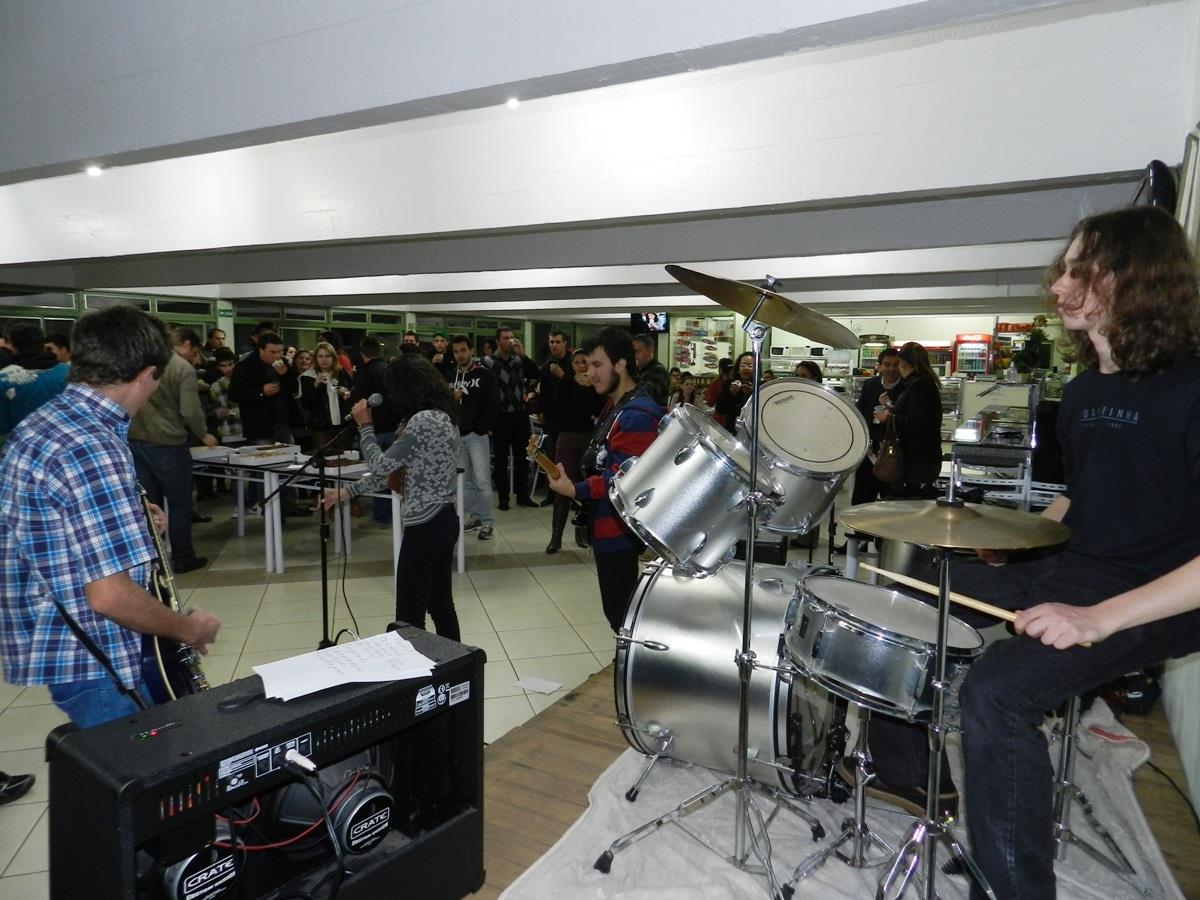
x=94, y=171
x=513, y=102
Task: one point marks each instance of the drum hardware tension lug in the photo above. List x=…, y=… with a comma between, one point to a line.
x=649, y=645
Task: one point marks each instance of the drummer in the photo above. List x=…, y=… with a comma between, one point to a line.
x=1128, y=580
x=628, y=424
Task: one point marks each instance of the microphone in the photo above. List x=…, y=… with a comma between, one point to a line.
x=372, y=401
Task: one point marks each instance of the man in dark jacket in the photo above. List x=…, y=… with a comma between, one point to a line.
x=263, y=386
x=550, y=379
x=650, y=371
x=370, y=377
x=511, y=429
x=474, y=388
x=867, y=488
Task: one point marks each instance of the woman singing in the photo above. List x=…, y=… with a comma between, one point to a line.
x=425, y=455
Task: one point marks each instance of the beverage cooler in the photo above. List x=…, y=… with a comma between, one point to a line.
x=870, y=346
x=972, y=354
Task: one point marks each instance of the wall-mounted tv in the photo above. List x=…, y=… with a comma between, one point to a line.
x=648, y=322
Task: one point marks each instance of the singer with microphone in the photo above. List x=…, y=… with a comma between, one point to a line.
x=422, y=465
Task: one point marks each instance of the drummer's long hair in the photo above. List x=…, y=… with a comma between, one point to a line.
x=413, y=384
x=917, y=357
x=1153, y=305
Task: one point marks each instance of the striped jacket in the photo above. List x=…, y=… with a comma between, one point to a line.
x=633, y=430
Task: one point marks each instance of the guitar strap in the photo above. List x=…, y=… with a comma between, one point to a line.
x=100, y=656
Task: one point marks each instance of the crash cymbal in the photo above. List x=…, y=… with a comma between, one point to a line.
x=967, y=526
x=777, y=311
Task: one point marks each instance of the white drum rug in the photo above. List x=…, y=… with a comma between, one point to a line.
x=667, y=864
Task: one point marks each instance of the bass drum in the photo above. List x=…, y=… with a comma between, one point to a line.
x=676, y=677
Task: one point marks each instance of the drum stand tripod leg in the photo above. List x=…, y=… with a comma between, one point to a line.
x=690, y=805
x=1066, y=792
x=854, y=829
x=665, y=739
x=922, y=840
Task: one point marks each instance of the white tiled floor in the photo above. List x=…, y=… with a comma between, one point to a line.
x=533, y=614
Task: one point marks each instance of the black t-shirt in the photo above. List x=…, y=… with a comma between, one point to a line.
x=1131, y=451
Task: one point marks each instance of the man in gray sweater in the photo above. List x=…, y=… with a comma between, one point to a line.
x=158, y=436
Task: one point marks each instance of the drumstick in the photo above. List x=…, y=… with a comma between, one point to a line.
x=955, y=597
x=932, y=589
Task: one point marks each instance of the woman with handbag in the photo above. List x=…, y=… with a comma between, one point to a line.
x=910, y=457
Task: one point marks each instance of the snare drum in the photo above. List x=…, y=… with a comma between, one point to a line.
x=875, y=646
x=685, y=497
x=810, y=439
x=676, y=675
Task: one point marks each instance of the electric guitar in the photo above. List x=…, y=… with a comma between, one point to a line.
x=171, y=669
x=535, y=455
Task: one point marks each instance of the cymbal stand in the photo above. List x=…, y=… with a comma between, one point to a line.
x=920, y=845
x=750, y=828
x=855, y=830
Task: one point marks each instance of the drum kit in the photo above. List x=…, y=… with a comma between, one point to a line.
x=805, y=642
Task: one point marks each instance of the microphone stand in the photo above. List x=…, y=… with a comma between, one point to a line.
x=318, y=457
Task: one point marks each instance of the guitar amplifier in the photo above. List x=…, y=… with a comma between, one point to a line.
x=191, y=800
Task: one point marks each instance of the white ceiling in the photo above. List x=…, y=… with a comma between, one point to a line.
x=879, y=158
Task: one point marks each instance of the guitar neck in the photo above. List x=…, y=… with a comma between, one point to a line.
x=545, y=463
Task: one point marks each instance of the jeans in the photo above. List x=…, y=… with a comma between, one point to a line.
x=423, y=574
x=381, y=507
x=1005, y=696
x=94, y=702
x=166, y=473
x=618, y=573
x=475, y=459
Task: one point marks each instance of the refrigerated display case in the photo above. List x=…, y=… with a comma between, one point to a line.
x=972, y=354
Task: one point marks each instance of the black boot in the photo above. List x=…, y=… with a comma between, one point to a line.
x=562, y=509
x=583, y=538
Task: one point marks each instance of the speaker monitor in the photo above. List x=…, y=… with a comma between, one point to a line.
x=192, y=800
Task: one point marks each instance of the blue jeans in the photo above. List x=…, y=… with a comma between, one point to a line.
x=166, y=473
x=475, y=459
x=94, y=702
x=1005, y=696
x=381, y=507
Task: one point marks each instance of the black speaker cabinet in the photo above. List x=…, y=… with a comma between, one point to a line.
x=191, y=800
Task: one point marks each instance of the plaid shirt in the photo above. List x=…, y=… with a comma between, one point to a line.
x=70, y=514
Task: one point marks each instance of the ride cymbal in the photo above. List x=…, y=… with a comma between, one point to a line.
x=776, y=310
x=962, y=526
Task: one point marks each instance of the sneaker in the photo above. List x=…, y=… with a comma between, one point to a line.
x=14, y=787
x=473, y=525
x=485, y=533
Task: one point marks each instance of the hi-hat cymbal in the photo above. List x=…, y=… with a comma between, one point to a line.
x=776, y=310
x=969, y=526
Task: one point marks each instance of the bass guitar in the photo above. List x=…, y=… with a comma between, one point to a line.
x=171, y=669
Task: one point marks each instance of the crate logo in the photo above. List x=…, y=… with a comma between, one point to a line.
x=426, y=699
x=370, y=824
x=209, y=881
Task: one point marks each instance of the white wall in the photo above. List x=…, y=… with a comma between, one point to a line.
x=1025, y=98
